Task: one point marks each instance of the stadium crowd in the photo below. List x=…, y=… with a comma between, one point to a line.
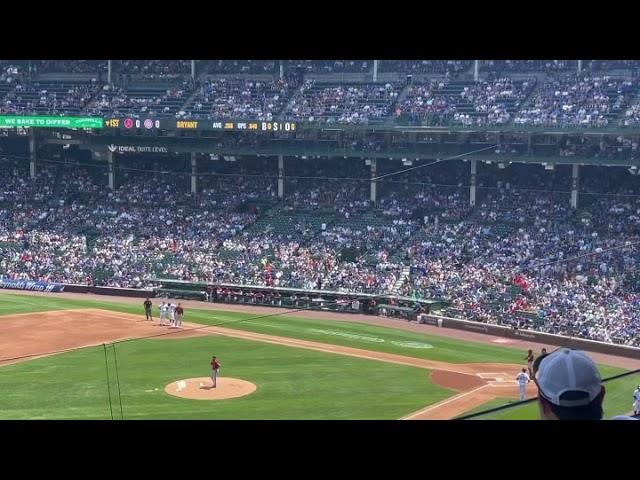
x=593, y=98
x=489, y=102
x=583, y=101
x=521, y=257
x=350, y=103
x=243, y=99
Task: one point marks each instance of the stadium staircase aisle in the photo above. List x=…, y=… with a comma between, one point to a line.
x=190, y=99
x=526, y=103
x=168, y=105
x=618, y=113
x=298, y=92
x=401, y=96
x=404, y=275
x=317, y=89
x=281, y=222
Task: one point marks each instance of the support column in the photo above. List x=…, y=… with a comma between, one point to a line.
x=32, y=152
x=574, y=185
x=375, y=71
x=280, y=177
x=281, y=69
x=109, y=72
x=579, y=66
x=476, y=69
x=374, y=183
x=112, y=182
x=194, y=171
x=472, y=188
x=193, y=69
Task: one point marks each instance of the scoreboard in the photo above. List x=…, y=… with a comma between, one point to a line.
x=130, y=123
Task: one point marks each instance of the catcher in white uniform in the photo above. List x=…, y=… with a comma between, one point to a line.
x=523, y=379
x=636, y=401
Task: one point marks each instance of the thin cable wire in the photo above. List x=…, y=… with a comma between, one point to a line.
x=115, y=359
x=106, y=364
x=437, y=161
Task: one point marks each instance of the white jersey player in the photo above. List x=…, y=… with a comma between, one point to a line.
x=172, y=313
x=523, y=379
x=164, y=311
x=636, y=401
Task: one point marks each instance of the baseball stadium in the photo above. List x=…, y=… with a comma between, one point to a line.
x=319, y=239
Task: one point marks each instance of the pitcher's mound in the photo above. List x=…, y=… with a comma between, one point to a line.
x=200, y=388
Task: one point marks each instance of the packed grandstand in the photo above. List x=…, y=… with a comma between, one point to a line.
x=520, y=254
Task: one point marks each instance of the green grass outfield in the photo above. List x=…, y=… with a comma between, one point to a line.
x=292, y=383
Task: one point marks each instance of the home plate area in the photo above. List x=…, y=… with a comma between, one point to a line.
x=498, y=379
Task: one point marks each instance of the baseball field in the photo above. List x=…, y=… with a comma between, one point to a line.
x=67, y=356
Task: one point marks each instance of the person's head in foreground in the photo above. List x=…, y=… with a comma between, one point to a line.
x=569, y=386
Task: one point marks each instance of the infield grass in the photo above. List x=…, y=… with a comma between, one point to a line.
x=292, y=383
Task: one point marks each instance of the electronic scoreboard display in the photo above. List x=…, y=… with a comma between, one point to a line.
x=129, y=123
